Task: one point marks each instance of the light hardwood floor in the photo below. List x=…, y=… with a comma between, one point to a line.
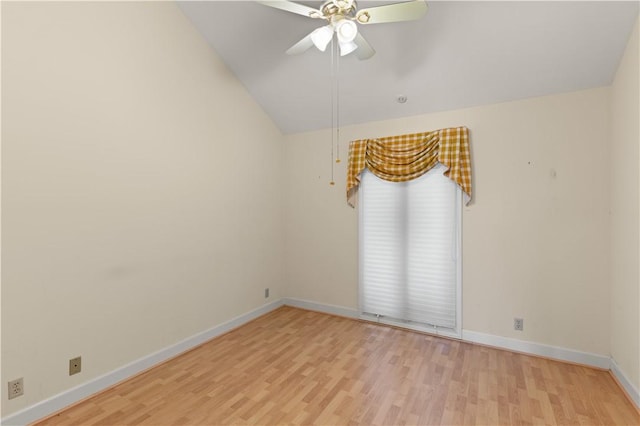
x=293, y=366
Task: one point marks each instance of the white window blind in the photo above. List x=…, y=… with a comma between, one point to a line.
x=409, y=249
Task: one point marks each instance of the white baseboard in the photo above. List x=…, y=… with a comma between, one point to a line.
x=624, y=381
x=554, y=352
x=51, y=405
x=321, y=307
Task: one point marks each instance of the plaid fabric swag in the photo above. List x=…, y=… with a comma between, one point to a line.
x=406, y=157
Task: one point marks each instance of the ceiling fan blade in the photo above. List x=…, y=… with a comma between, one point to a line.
x=290, y=6
x=364, y=50
x=406, y=11
x=301, y=46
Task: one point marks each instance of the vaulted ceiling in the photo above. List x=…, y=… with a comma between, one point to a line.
x=460, y=54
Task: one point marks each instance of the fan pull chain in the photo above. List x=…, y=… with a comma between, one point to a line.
x=338, y=107
x=333, y=45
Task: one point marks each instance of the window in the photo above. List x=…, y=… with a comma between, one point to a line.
x=410, y=251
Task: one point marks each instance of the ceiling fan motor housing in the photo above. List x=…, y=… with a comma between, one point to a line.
x=340, y=9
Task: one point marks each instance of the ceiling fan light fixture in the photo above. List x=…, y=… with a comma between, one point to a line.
x=347, y=47
x=321, y=37
x=346, y=31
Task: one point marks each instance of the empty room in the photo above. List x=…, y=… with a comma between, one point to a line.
x=331, y=213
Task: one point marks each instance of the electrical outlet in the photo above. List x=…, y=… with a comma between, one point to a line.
x=75, y=365
x=266, y=293
x=16, y=388
x=518, y=324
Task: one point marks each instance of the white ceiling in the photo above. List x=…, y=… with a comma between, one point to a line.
x=460, y=54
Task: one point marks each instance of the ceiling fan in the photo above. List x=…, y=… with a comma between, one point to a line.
x=342, y=17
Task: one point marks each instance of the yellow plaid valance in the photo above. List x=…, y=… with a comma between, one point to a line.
x=406, y=157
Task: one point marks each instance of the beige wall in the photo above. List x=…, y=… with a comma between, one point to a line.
x=128, y=225
x=535, y=238
x=625, y=235
x=141, y=190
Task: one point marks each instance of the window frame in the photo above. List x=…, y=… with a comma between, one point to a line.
x=425, y=328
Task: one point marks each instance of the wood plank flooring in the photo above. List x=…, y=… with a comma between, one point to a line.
x=293, y=366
